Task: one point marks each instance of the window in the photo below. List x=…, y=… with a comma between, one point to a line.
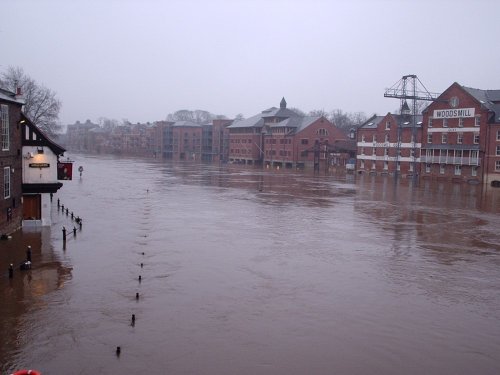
x=4, y=120
x=445, y=123
x=6, y=182
x=374, y=138
x=458, y=170
x=410, y=168
x=477, y=121
x=386, y=152
x=474, y=171
x=429, y=123
x=398, y=166
x=427, y=168
x=460, y=138
x=304, y=141
x=386, y=165
x=429, y=137
x=362, y=164
x=444, y=138
x=497, y=166
x=374, y=151
x=387, y=125
x=460, y=122
x=363, y=137
x=303, y=154
x=476, y=138
x=498, y=150
x=362, y=150
x=441, y=168
x=373, y=164
x=322, y=131
x=387, y=138
x=498, y=135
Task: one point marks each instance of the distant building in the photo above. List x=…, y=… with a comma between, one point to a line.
x=10, y=162
x=220, y=140
x=280, y=137
x=79, y=136
x=389, y=145
x=461, y=136
x=186, y=140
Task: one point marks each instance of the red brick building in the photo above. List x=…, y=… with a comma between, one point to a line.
x=186, y=140
x=220, y=140
x=280, y=137
x=389, y=144
x=461, y=136
x=10, y=162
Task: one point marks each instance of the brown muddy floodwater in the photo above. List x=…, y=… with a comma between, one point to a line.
x=248, y=271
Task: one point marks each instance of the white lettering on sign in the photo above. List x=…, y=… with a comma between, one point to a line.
x=454, y=113
x=453, y=130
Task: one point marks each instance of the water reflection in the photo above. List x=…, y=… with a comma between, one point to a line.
x=25, y=293
x=253, y=271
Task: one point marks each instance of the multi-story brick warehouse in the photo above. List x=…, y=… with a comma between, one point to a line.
x=389, y=145
x=10, y=162
x=282, y=137
x=461, y=136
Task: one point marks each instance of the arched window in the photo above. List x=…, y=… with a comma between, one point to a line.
x=322, y=132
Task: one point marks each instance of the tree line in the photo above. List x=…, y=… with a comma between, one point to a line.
x=42, y=107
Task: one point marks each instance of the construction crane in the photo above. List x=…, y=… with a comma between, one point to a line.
x=409, y=87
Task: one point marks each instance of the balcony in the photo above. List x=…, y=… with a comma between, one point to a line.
x=450, y=160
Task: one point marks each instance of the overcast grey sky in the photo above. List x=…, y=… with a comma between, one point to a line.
x=140, y=60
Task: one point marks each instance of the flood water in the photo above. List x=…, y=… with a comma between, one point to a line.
x=250, y=271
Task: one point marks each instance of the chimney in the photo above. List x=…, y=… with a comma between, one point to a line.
x=19, y=94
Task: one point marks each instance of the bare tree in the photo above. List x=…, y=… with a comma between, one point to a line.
x=41, y=105
x=198, y=116
x=108, y=124
x=318, y=112
x=297, y=111
x=346, y=120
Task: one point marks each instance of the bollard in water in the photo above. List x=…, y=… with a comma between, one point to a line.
x=67, y=211
x=142, y=265
x=51, y=196
x=58, y=203
x=71, y=215
x=64, y=234
x=137, y=296
x=133, y=320
x=140, y=278
x=11, y=271
x=28, y=254
x=80, y=222
x=62, y=207
x=74, y=231
x=118, y=351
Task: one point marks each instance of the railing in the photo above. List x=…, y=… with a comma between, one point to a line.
x=450, y=160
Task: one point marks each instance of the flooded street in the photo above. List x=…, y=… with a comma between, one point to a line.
x=249, y=271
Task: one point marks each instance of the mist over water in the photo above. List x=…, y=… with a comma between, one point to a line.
x=252, y=271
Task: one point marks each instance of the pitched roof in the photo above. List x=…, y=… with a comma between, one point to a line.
x=372, y=122
x=10, y=97
x=404, y=121
x=490, y=99
x=252, y=122
x=41, y=137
